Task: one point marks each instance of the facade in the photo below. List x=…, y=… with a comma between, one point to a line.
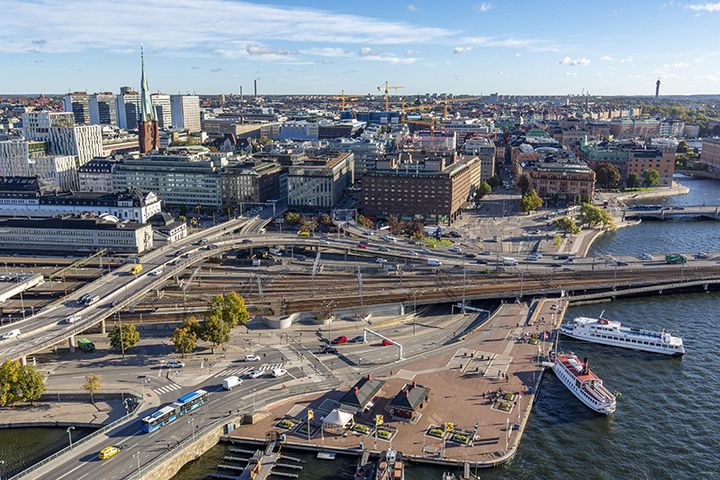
x=361, y=396
x=103, y=109
x=185, y=112
x=162, y=107
x=82, y=141
x=484, y=148
x=167, y=229
x=640, y=161
x=365, y=152
x=178, y=179
x=128, y=110
x=409, y=401
x=634, y=128
x=130, y=205
x=81, y=235
x=25, y=158
x=433, y=193
x=37, y=125
x=319, y=183
x=250, y=183
x=562, y=183
x=466, y=128
x=96, y=176
x=79, y=104
x=61, y=170
x=631, y=157
x=710, y=155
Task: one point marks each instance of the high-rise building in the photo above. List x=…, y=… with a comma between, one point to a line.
x=128, y=108
x=148, y=135
x=25, y=158
x=163, y=109
x=36, y=125
x=103, y=109
x=186, y=112
x=79, y=104
x=83, y=141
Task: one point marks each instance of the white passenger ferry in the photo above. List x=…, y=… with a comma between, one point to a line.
x=584, y=384
x=608, y=332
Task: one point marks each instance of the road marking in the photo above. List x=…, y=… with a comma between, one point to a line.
x=71, y=471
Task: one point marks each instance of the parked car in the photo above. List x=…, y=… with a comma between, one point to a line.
x=172, y=363
x=251, y=358
x=339, y=340
x=358, y=339
x=385, y=343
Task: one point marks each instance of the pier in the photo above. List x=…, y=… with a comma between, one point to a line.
x=481, y=392
x=690, y=212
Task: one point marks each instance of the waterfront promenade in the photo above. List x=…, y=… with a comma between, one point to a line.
x=483, y=385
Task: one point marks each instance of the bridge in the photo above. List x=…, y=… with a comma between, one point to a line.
x=700, y=212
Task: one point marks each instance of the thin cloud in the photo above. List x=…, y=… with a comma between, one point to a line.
x=499, y=41
x=328, y=52
x=606, y=58
x=484, y=7
x=575, y=61
x=461, y=50
x=367, y=53
x=411, y=7
x=704, y=7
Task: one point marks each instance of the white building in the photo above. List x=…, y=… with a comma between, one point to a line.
x=186, y=112
x=163, y=110
x=24, y=158
x=103, y=109
x=36, y=125
x=58, y=169
x=128, y=110
x=83, y=141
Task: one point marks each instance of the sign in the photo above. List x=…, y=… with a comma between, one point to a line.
x=449, y=427
x=311, y=414
x=379, y=419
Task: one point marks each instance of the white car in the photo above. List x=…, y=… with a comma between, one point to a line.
x=380, y=260
x=255, y=373
x=646, y=256
x=532, y=258
x=174, y=364
x=278, y=372
x=251, y=358
x=455, y=250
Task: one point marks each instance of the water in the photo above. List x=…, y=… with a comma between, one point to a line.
x=22, y=447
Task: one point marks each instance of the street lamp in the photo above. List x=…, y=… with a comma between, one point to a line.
x=191, y=421
x=69, y=430
x=137, y=455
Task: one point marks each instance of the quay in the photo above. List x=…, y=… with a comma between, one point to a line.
x=480, y=395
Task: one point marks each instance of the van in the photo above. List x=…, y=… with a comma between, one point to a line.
x=509, y=261
x=72, y=319
x=231, y=382
x=389, y=238
x=433, y=262
x=11, y=334
x=278, y=372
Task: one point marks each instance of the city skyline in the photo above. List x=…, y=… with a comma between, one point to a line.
x=311, y=47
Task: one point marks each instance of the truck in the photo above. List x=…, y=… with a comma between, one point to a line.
x=675, y=259
x=231, y=382
x=509, y=261
x=86, y=345
x=137, y=268
x=433, y=262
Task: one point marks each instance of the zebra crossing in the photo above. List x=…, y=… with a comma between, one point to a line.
x=167, y=388
x=245, y=370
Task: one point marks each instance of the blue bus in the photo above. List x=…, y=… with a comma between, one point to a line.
x=185, y=404
x=156, y=420
x=191, y=401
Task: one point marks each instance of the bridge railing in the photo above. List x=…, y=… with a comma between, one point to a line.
x=101, y=431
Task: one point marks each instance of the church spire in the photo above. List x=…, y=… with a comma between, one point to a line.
x=146, y=107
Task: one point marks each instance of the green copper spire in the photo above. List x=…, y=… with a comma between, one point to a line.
x=147, y=112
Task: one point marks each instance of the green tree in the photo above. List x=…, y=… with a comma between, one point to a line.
x=495, y=181
x=682, y=147
x=633, y=181
x=215, y=330
x=530, y=201
x=10, y=374
x=32, y=383
x=523, y=183
x=557, y=240
x=293, y=218
x=92, y=385
x=591, y=216
x=608, y=175
x=234, y=310
x=484, y=189
x=567, y=225
x=125, y=337
x=184, y=340
x=651, y=178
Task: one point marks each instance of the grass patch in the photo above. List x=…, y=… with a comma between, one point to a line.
x=431, y=242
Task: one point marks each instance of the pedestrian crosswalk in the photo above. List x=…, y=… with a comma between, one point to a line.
x=167, y=388
x=245, y=370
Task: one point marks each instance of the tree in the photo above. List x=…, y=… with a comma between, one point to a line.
x=365, y=221
x=232, y=309
x=591, y=215
x=633, y=181
x=124, y=337
x=523, y=184
x=32, y=383
x=395, y=225
x=651, y=178
x=293, y=218
x=495, y=181
x=530, y=201
x=682, y=147
x=325, y=219
x=608, y=175
x=184, y=340
x=557, y=240
x=215, y=330
x=92, y=385
x=484, y=189
x=415, y=229
x=10, y=373
x=567, y=225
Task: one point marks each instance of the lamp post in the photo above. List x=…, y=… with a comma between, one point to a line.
x=191, y=422
x=137, y=455
x=69, y=432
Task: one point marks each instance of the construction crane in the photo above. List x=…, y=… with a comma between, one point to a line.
x=344, y=97
x=387, y=87
x=448, y=100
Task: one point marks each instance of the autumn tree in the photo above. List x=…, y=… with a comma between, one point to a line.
x=530, y=201
x=92, y=385
x=566, y=225
x=124, y=337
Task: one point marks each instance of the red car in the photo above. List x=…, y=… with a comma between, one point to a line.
x=385, y=343
x=339, y=340
x=361, y=245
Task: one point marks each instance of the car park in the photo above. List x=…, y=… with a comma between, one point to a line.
x=251, y=358
x=172, y=363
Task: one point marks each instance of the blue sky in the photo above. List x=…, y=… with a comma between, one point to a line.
x=313, y=46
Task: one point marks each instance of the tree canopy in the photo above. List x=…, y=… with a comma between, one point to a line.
x=530, y=201
x=651, y=178
x=484, y=189
x=19, y=383
x=608, y=175
x=215, y=330
x=523, y=183
x=591, y=216
x=124, y=337
x=567, y=225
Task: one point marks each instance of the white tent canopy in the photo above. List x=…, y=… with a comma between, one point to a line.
x=338, y=418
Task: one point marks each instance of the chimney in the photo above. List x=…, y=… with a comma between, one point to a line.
x=357, y=391
x=255, y=85
x=414, y=384
x=585, y=366
x=369, y=377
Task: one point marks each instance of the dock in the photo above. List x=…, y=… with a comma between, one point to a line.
x=259, y=466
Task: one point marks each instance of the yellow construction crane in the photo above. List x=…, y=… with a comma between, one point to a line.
x=387, y=87
x=448, y=100
x=344, y=97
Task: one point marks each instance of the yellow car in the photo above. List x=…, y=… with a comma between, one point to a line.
x=107, y=452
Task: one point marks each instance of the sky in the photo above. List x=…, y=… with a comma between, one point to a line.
x=537, y=47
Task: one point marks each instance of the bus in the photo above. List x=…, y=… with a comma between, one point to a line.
x=156, y=420
x=137, y=268
x=191, y=401
x=86, y=345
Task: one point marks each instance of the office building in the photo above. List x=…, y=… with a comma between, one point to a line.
x=710, y=155
x=103, y=109
x=96, y=176
x=250, y=183
x=427, y=188
x=163, y=109
x=186, y=112
x=484, y=148
x=562, y=182
x=319, y=183
x=36, y=125
x=366, y=152
x=182, y=179
x=79, y=104
x=74, y=235
x=62, y=136
x=128, y=109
